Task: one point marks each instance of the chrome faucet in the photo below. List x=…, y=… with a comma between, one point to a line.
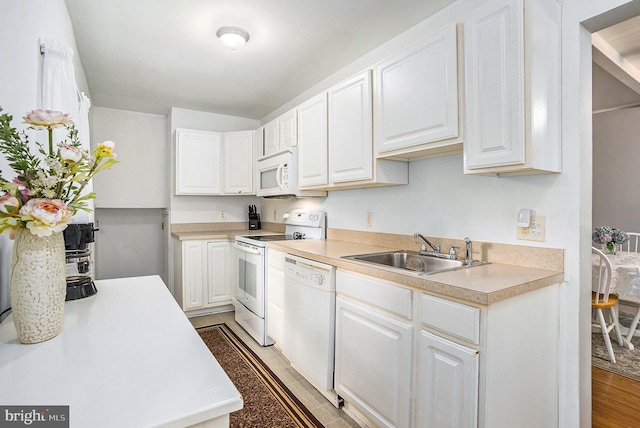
x=423, y=248
x=468, y=251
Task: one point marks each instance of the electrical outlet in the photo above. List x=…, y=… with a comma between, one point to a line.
x=369, y=220
x=535, y=231
x=223, y=215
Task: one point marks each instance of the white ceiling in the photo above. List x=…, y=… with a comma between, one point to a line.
x=150, y=55
x=616, y=71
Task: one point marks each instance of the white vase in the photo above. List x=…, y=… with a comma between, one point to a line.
x=38, y=286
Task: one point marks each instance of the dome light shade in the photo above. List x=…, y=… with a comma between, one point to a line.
x=233, y=37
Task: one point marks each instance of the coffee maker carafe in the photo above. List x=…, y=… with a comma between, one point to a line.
x=79, y=260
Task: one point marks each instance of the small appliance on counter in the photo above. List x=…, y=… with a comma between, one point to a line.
x=254, y=218
x=79, y=261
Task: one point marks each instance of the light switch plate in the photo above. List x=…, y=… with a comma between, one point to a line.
x=535, y=231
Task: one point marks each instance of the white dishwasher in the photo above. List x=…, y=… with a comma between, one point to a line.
x=309, y=322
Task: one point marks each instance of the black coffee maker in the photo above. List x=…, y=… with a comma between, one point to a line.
x=79, y=260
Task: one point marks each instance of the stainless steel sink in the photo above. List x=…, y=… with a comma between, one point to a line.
x=412, y=261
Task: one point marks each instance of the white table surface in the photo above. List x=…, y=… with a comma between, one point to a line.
x=625, y=277
x=126, y=357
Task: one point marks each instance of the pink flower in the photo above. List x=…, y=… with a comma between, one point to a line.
x=22, y=188
x=70, y=153
x=45, y=216
x=9, y=204
x=46, y=119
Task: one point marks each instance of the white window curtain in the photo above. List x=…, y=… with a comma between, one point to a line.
x=60, y=92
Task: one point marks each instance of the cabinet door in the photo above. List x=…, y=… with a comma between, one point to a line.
x=258, y=139
x=494, y=80
x=270, y=138
x=373, y=363
x=198, y=163
x=218, y=274
x=287, y=130
x=447, y=384
x=350, y=132
x=417, y=94
x=238, y=162
x=193, y=274
x=312, y=142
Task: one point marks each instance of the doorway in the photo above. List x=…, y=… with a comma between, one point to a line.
x=615, y=151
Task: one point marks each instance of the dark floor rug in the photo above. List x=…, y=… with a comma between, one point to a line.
x=627, y=361
x=267, y=401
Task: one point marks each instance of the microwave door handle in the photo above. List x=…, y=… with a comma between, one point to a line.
x=279, y=176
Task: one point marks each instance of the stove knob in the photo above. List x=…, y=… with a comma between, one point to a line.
x=319, y=279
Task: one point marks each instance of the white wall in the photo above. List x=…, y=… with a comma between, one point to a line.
x=441, y=201
x=140, y=179
x=24, y=23
x=130, y=242
x=616, y=171
x=204, y=209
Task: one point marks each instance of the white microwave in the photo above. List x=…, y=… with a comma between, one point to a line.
x=277, y=176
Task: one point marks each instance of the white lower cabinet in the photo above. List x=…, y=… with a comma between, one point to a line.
x=275, y=297
x=373, y=360
x=447, y=383
x=406, y=358
x=202, y=275
x=374, y=348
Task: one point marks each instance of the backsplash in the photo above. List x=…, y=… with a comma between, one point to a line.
x=516, y=255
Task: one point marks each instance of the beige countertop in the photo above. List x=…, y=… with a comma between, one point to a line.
x=222, y=234
x=513, y=270
x=484, y=284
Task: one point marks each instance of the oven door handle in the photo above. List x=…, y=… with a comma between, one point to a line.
x=246, y=249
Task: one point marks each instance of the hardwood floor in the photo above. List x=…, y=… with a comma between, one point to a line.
x=615, y=400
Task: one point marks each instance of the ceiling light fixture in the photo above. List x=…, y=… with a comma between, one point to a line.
x=233, y=37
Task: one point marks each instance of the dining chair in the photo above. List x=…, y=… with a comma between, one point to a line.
x=602, y=302
x=633, y=244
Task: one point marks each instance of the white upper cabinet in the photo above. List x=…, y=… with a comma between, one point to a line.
x=270, y=138
x=214, y=163
x=238, y=162
x=288, y=130
x=512, y=78
x=198, y=162
x=312, y=142
x=281, y=133
x=416, y=93
x=335, y=142
x=350, y=133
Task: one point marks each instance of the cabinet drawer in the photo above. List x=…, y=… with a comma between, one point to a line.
x=391, y=298
x=451, y=317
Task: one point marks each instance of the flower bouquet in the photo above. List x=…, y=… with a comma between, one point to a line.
x=46, y=193
x=609, y=238
x=35, y=207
